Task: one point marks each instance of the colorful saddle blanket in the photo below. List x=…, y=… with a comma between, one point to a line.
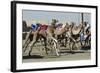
x=35, y=27
x=43, y=27
x=59, y=25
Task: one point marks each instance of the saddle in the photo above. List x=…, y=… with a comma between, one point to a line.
x=34, y=27
x=43, y=27
x=59, y=25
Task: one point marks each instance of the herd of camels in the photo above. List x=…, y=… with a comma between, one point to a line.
x=56, y=34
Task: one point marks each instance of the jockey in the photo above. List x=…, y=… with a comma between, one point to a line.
x=84, y=35
x=35, y=26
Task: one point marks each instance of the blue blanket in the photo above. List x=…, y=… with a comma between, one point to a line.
x=34, y=27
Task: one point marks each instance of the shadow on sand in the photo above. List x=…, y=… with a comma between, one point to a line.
x=83, y=50
x=32, y=56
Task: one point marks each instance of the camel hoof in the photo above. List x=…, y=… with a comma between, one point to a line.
x=58, y=55
x=29, y=55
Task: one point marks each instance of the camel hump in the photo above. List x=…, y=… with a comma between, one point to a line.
x=75, y=32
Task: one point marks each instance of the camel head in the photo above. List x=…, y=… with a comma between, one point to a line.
x=84, y=24
x=54, y=20
x=67, y=26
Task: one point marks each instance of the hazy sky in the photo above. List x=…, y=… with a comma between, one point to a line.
x=47, y=16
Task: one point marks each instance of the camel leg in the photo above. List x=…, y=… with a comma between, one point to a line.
x=26, y=45
x=55, y=43
x=72, y=46
x=81, y=42
x=68, y=42
x=36, y=37
x=26, y=41
x=72, y=52
x=33, y=43
x=45, y=44
x=27, y=38
x=54, y=46
x=65, y=42
x=56, y=49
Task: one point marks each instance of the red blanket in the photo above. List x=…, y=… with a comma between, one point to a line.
x=43, y=27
